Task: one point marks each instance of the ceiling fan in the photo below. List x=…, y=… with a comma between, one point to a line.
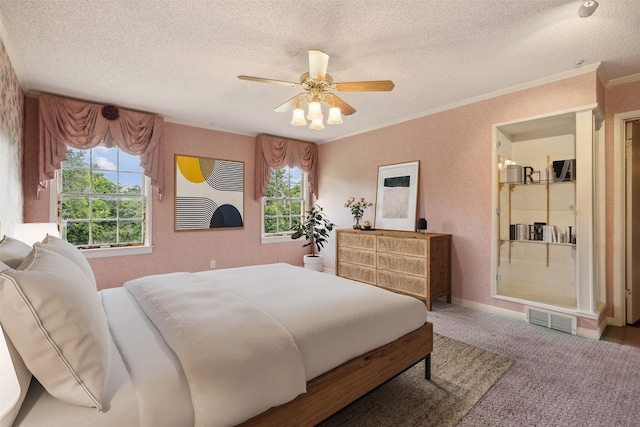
x=318, y=87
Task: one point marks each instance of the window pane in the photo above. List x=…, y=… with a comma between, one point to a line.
x=76, y=181
x=105, y=182
x=129, y=163
x=270, y=225
x=283, y=223
x=130, y=208
x=76, y=232
x=130, y=183
x=272, y=189
x=105, y=159
x=77, y=159
x=75, y=208
x=104, y=207
x=296, y=208
x=104, y=232
x=271, y=208
x=130, y=232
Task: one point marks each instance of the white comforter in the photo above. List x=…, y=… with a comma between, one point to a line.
x=330, y=319
x=238, y=360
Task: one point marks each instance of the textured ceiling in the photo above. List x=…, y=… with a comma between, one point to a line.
x=180, y=59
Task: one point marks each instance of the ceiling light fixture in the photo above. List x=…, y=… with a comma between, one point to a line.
x=587, y=8
x=298, y=116
x=317, y=86
x=314, y=100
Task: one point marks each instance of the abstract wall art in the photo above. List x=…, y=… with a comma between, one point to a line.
x=397, y=196
x=209, y=193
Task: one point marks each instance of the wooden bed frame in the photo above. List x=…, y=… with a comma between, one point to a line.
x=334, y=390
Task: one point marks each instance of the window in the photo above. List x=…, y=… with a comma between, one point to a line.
x=101, y=199
x=283, y=204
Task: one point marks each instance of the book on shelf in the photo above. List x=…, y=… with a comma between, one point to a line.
x=518, y=232
x=537, y=232
x=514, y=174
x=549, y=234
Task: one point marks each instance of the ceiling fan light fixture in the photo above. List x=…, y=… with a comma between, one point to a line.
x=587, y=8
x=298, y=117
x=316, y=124
x=315, y=111
x=335, y=116
x=317, y=88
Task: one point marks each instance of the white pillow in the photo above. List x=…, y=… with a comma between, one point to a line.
x=15, y=381
x=66, y=249
x=3, y=266
x=54, y=317
x=12, y=251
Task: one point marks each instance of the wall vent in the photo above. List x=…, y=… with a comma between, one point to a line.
x=549, y=319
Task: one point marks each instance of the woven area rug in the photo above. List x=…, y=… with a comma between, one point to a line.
x=460, y=375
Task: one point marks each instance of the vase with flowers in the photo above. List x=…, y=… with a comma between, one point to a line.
x=357, y=208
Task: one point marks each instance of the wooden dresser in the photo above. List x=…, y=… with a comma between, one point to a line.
x=411, y=263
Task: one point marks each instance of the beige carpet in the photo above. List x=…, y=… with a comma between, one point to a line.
x=460, y=375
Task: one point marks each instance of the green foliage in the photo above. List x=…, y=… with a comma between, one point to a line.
x=94, y=208
x=283, y=201
x=315, y=228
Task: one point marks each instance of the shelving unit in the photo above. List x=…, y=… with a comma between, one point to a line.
x=531, y=267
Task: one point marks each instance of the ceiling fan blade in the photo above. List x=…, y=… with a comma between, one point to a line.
x=263, y=80
x=318, y=62
x=379, y=85
x=345, y=108
x=289, y=104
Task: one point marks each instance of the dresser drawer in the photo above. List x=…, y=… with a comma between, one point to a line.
x=395, y=245
x=357, y=256
x=402, y=264
x=411, y=263
x=360, y=241
x=413, y=285
x=357, y=272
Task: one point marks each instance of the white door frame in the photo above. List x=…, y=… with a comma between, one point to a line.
x=619, y=212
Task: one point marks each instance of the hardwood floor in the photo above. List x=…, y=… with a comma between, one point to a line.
x=625, y=335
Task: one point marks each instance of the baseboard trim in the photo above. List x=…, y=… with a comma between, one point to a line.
x=503, y=312
x=489, y=309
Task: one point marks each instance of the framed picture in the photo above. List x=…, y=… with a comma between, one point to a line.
x=209, y=193
x=397, y=196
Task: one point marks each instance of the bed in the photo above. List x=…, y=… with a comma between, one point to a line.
x=260, y=345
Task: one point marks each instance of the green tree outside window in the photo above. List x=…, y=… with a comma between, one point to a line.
x=102, y=198
x=284, y=201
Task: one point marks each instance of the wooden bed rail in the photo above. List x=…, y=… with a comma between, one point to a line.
x=334, y=390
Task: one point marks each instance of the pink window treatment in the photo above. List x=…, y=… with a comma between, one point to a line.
x=273, y=152
x=65, y=122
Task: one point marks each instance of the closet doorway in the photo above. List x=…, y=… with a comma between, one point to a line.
x=623, y=214
x=632, y=286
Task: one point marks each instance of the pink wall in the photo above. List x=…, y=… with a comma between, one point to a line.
x=454, y=149
x=176, y=251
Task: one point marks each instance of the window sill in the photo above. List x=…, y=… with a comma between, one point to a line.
x=278, y=239
x=109, y=252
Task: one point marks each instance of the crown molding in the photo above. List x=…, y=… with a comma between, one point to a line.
x=528, y=85
x=623, y=80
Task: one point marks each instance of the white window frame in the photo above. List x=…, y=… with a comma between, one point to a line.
x=101, y=252
x=284, y=237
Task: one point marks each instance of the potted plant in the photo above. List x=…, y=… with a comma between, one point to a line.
x=315, y=227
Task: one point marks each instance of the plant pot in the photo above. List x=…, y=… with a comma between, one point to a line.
x=314, y=262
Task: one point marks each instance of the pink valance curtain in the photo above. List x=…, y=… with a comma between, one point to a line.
x=65, y=122
x=273, y=152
